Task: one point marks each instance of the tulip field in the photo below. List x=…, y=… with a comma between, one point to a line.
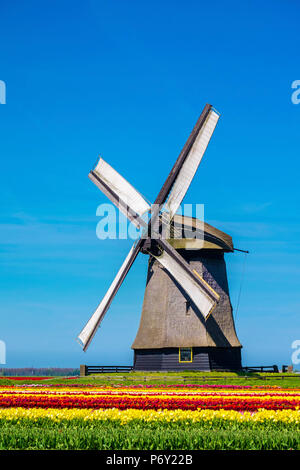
x=42, y=415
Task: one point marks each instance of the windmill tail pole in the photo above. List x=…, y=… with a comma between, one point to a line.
x=242, y=251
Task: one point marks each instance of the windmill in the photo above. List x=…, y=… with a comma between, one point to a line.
x=167, y=339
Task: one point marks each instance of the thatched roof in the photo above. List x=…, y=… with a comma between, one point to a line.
x=192, y=233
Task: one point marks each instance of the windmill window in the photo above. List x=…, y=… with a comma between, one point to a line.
x=185, y=354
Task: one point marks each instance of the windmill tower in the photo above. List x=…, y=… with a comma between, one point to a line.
x=186, y=321
x=173, y=334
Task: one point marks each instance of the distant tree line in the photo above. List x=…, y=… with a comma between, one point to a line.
x=44, y=372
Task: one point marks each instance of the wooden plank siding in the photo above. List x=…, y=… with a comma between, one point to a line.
x=204, y=359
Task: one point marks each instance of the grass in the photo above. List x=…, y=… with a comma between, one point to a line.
x=171, y=378
x=171, y=436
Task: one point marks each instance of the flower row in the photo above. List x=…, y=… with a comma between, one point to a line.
x=144, y=386
x=125, y=416
x=25, y=378
x=148, y=402
x=156, y=393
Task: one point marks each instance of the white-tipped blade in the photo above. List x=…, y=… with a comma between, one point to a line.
x=86, y=335
x=119, y=191
x=189, y=167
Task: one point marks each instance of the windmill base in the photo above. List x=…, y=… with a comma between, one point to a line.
x=203, y=359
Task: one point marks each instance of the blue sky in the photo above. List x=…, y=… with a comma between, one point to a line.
x=129, y=80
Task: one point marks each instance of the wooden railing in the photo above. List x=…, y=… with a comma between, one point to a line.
x=273, y=368
x=195, y=379
x=88, y=370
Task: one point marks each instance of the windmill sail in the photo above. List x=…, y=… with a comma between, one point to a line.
x=88, y=332
x=134, y=206
x=203, y=296
x=120, y=192
x=191, y=163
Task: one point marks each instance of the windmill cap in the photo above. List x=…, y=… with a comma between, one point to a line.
x=207, y=236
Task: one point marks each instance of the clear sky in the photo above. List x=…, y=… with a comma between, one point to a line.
x=128, y=79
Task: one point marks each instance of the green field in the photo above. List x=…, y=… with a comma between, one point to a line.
x=171, y=378
x=114, y=436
